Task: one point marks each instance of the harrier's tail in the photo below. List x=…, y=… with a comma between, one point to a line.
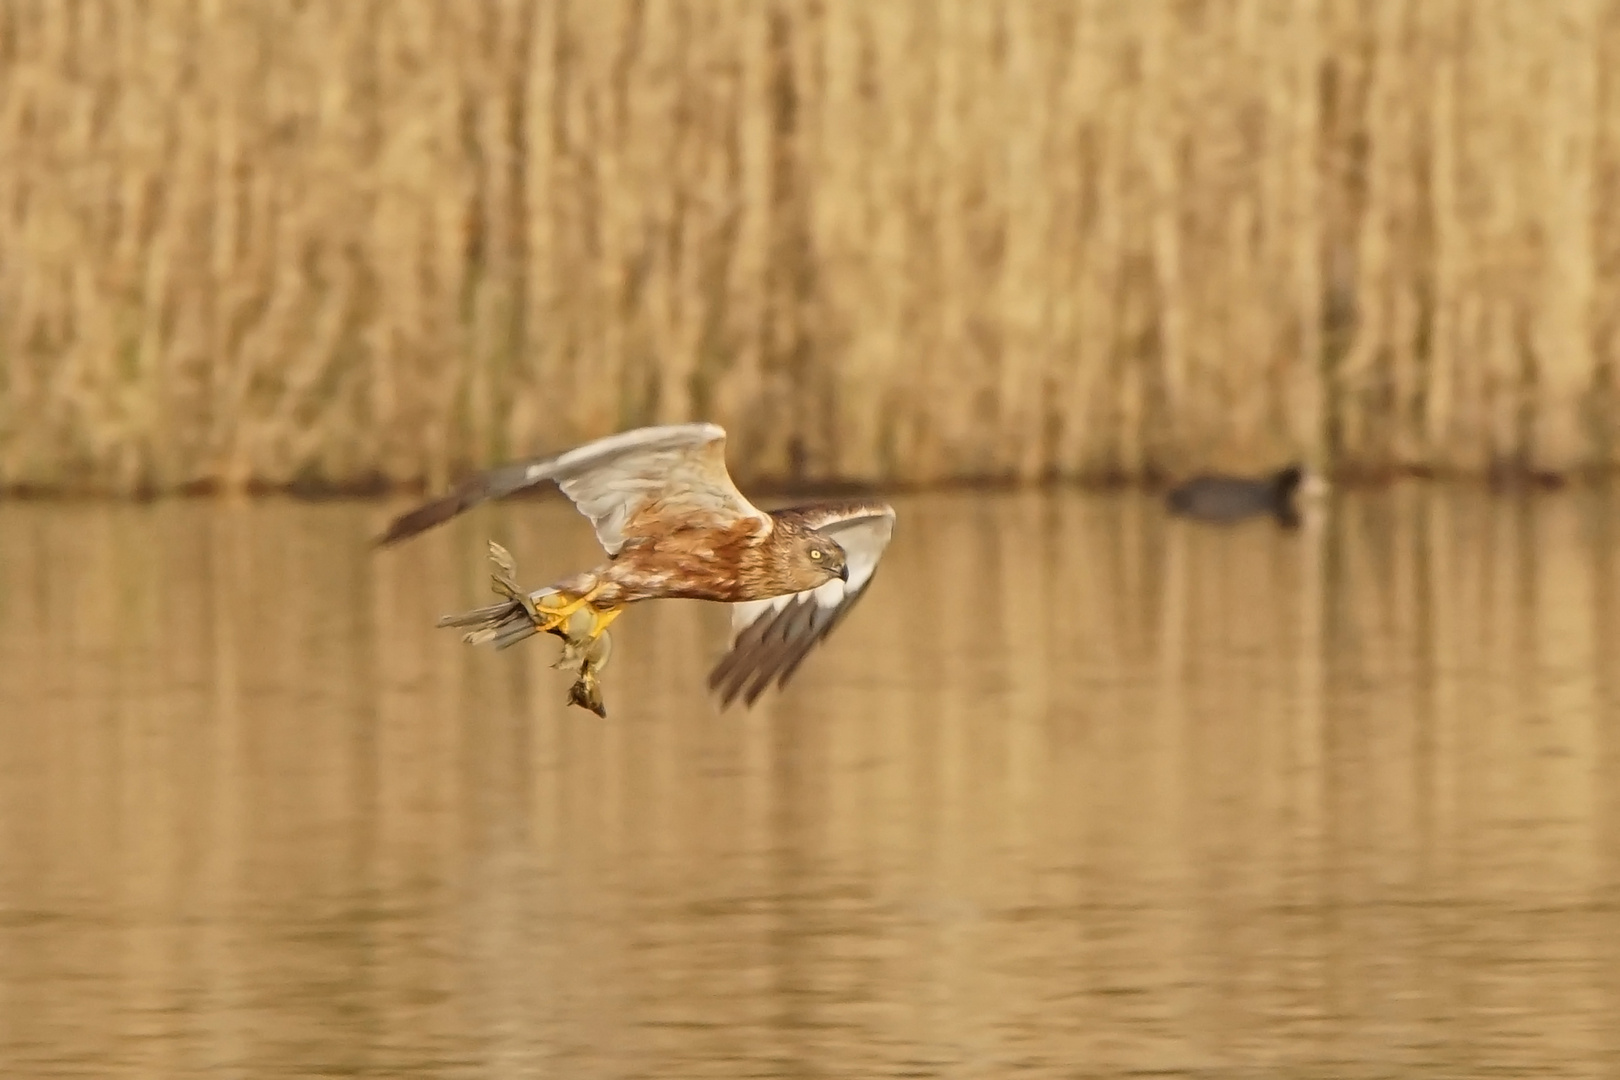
x=503, y=624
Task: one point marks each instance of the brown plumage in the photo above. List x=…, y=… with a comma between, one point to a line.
x=675, y=526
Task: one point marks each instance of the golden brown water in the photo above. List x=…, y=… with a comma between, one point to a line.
x=1078, y=791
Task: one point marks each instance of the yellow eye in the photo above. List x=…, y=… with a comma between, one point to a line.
x=815, y=553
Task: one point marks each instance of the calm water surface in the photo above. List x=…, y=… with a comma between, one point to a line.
x=1079, y=791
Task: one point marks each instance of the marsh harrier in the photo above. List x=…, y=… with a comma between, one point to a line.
x=674, y=525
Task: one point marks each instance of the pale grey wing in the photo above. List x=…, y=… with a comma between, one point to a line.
x=679, y=476
x=679, y=468
x=771, y=638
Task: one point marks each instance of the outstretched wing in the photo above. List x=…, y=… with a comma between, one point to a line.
x=677, y=471
x=770, y=638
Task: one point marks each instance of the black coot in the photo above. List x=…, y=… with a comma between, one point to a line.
x=1233, y=498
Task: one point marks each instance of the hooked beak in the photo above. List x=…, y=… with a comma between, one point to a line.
x=843, y=573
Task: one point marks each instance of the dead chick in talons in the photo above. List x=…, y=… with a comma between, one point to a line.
x=521, y=614
x=586, y=657
x=587, y=690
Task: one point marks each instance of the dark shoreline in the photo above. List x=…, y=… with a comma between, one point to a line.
x=1504, y=478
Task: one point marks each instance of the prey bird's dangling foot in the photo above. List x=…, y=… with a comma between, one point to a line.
x=504, y=581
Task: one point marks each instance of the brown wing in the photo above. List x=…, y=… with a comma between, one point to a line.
x=678, y=470
x=771, y=638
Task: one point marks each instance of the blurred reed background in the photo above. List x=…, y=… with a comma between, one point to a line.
x=913, y=241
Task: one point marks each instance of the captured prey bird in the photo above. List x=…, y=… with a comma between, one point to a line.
x=674, y=525
x=583, y=652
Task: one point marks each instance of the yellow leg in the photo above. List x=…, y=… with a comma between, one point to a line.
x=604, y=619
x=548, y=617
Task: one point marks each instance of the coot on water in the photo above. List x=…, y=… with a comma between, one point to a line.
x=1213, y=497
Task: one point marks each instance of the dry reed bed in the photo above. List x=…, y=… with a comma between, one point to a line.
x=909, y=241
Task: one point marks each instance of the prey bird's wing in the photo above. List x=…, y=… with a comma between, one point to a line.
x=770, y=638
x=674, y=473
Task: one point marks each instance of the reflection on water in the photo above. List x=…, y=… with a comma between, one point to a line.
x=1131, y=795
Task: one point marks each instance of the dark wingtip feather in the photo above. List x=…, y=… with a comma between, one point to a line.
x=424, y=517
x=724, y=676
x=767, y=650
x=493, y=484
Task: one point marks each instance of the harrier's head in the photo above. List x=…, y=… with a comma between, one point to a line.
x=821, y=557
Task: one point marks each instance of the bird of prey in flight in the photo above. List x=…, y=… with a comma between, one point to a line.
x=674, y=525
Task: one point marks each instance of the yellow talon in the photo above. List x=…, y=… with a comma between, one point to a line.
x=580, y=623
x=604, y=619
x=582, y=632
x=548, y=617
x=585, y=637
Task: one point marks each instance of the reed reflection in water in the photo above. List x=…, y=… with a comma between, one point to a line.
x=1146, y=796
